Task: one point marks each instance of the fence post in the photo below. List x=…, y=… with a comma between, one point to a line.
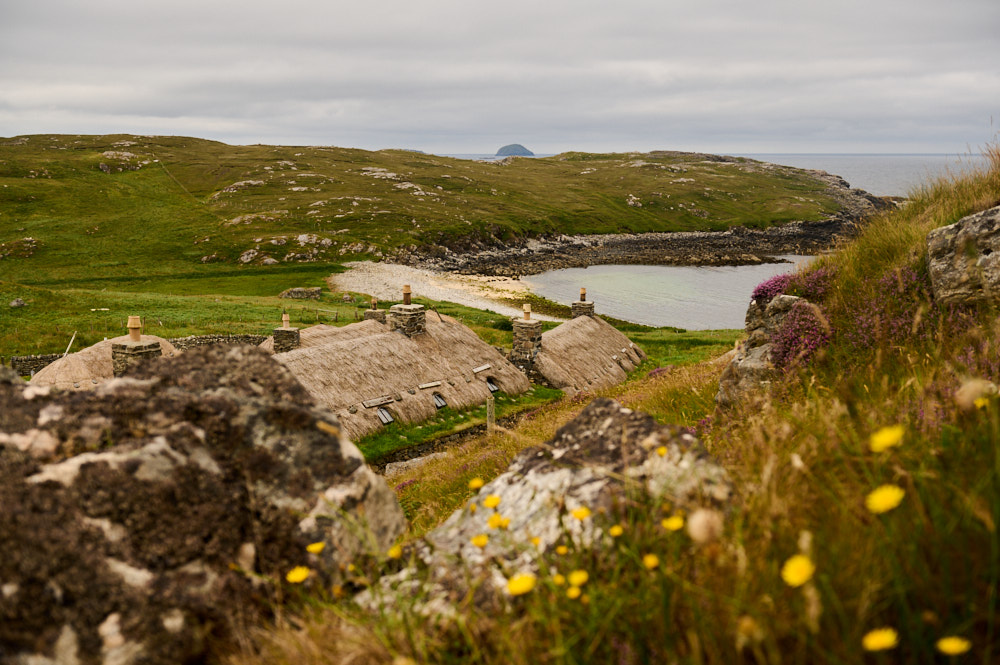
x=491, y=416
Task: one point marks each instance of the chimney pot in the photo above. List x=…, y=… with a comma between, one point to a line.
x=527, y=311
x=135, y=328
x=406, y=294
x=583, y=294
x=286, y=321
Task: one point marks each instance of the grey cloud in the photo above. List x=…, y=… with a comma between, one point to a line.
x=456, y=76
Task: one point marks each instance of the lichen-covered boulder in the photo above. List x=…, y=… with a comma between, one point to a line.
x=140, y=520
x=594, y=461
x=302, y=293
x=964, y=260
x=752, y=367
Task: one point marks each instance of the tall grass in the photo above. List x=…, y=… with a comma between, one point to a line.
x=806, y=458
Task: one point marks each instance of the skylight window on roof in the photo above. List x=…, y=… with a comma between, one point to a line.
x=439, y=401
x=491, y=384
x=384, y=415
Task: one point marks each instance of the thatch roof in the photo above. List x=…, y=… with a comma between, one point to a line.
x=308, y=337
x=87, y=368
x=586, y=353
x=364, y=363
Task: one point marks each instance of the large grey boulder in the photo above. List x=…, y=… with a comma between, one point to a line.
x=964, y=260
x=752, y=368
x=145, y=517
x=302, y=293
x=597, y=460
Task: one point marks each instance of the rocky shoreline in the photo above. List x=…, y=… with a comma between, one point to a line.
x=736, y=246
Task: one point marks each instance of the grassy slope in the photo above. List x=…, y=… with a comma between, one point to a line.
x=801, y=458
x=134, y=240
x=124, y=224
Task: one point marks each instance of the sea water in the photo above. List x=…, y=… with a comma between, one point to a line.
x=882, y=175
x=699, y=298
x=690, y=297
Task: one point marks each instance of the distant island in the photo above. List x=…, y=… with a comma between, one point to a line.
x=514, y=150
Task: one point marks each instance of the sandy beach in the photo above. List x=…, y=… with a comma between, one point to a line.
x=385, y=281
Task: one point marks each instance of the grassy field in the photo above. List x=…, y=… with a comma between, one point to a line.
x=157, y=226
x=167, y=203
x=864, y=527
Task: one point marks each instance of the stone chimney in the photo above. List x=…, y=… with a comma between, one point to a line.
x=127, y=354
x=527, y=340
x=581, y=307
x=375, y=313
x=286, y=338
x=407, y=318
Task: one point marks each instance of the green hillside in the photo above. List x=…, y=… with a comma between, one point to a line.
x=167, y=204
x=201, y=236
x=863, y=528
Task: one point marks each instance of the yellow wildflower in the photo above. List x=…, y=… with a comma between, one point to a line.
x=885, y=438
x=673, y=523
x=562, y=549
x=884, y=498
x=472, y=508
x=315, y=548
x=880, y=639
x=480, y=540
x=297, y=575
x=573, y=592
x=558, y=579
x=495, y=521
x=403, y=660
x=578, y=577
x=585, y=599
x=953, y=645
x=797, y=570
x=662, y=451
x=504, y=522
x=520, y=584
x=581, y=513
x=981, y=402
x=351, y=568
x=395, y=552
x=536, y=541
x=491, y=501
x=651, y=561
x=616, y=531
x=475, y=483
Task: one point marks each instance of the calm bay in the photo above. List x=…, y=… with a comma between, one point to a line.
x=704, y=298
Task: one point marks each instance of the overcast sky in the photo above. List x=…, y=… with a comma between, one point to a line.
x=469, y=76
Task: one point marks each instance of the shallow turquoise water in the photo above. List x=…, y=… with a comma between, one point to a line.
x=695, y=298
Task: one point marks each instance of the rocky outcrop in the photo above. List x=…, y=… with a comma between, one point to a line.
x=302, y=293
x=593, y=462
x=142, y=519
x=737, y=246
x=964, y=260
x=751, y=367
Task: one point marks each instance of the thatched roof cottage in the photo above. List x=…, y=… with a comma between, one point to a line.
x=586, y=353
x=92, y=366
x=370, y=374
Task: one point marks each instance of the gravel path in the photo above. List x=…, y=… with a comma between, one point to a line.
x=385, y=281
